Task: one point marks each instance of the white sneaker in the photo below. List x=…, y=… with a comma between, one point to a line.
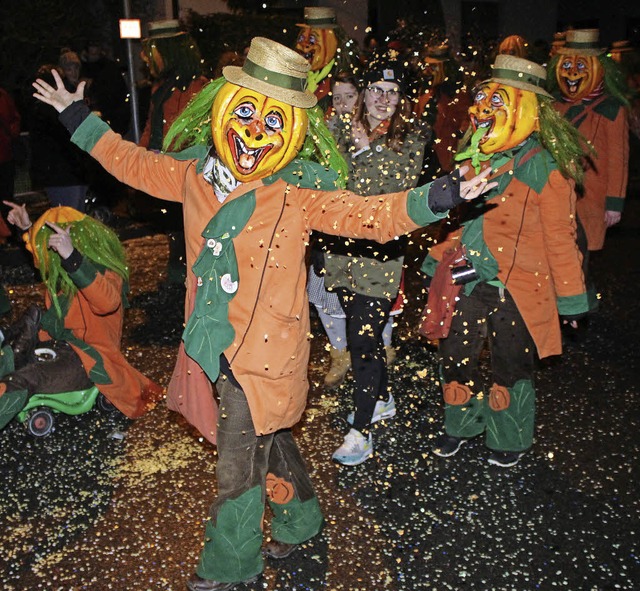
x=384, y=409
x=355, y=449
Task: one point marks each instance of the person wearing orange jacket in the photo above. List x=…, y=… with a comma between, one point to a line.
x=249, y=207
x=83, y=267
x=523, y=267
x=591, y=91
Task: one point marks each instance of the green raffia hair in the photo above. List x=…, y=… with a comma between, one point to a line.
x=193, y=128
x=563, y=140
x=94, y=240
x=180, y=56
x=615, y=83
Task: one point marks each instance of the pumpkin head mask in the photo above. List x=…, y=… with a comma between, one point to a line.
x=578, y=75
x=317, y=41
x=509, y=115
x=255, y=135
x=506, y=105
x=317, y=46
x=579, y=72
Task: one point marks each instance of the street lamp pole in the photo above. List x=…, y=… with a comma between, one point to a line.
x=135, y=123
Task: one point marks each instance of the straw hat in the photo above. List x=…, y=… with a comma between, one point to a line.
x=165, y=28
x=319, y=17
x=437, y=54
x=582, y=42
x=519, y=73
x=275, y=71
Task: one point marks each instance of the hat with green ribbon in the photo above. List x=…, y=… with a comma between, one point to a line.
x=519, y=73
x=582, y=42
x=275, y=71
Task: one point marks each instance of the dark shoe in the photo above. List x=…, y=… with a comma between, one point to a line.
x=505, y=459
x=447, y=445
x=196, y=583
x=278, y=550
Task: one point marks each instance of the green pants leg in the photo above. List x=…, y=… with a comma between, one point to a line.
x=249, y=468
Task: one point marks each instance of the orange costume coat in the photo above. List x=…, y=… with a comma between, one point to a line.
x=532, y=236
x=605, y=124
x=270, y=312
x=95, y=317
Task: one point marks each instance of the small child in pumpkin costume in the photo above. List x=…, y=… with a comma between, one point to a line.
x=84, y=270
x=592, y=94
x=249, y=208
x=520, y=240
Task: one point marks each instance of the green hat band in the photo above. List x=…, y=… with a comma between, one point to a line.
x=320, y=21
x=582, y=45
x=275, y=78
x=518, y=77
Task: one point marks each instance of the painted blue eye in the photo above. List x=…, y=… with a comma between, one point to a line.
x=566, y=65
x=273, y=121
x=496, y=101
x=245, y=111
x=480, y=96
x=581, y=66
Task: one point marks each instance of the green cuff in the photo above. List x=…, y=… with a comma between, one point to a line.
x=85, y=274
x=89, y=132
x=418, y=206
x=429, y=265
x=614, y=204
x=571, y=305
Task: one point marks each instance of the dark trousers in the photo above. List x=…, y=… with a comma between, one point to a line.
x=366, y=319
x=505, y=409
x=65, y=373
x=251, y=469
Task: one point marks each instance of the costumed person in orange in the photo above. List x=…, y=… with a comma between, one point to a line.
x=85, y=273
x=324, y=44
x=442, y=103
x=592, y=95
x=523, y=268
x=249, y=207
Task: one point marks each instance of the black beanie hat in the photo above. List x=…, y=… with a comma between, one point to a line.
x=386, y=71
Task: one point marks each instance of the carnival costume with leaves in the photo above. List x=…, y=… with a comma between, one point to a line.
x=249, y=208
x=85, y=302
x=520, y=239
x=592, y=94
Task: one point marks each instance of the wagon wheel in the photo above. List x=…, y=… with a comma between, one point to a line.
x=40, y=423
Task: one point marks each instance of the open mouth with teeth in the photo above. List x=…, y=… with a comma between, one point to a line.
x=246, y=159
x=486, y=124
x=573, y=85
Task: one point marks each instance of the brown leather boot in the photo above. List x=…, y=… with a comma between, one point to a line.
x=340, y=365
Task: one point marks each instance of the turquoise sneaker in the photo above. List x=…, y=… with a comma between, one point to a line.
x=355, y=449
x=385, y=409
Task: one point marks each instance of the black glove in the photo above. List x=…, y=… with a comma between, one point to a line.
x=444, y=193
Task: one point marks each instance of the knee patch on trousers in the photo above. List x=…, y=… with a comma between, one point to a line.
x=279, y=490
x=499, y=398
x=456, y=394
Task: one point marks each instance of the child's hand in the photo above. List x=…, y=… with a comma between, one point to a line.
x=60, y=241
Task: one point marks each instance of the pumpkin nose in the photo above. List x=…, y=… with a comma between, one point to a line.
x=255, y=129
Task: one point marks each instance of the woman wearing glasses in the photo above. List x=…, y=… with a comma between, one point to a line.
x=385, y=153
